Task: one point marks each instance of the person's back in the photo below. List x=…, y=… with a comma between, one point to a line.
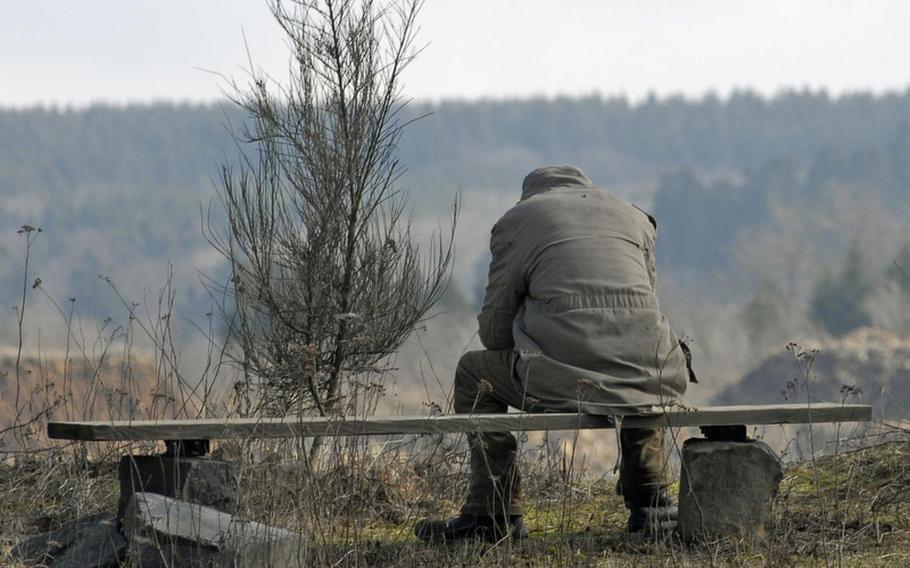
x=587, y=331
x=570, y=322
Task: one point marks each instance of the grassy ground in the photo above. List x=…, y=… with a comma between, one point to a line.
x=849, y=509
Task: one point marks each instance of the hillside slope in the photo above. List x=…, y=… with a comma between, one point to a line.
x=869, y=364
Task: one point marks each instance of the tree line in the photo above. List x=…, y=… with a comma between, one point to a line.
x=120, y=187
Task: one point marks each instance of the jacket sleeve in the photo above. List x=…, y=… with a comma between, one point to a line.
x=649, y=238
x=505, y=291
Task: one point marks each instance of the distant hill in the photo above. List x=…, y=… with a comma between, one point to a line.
x=875, y=362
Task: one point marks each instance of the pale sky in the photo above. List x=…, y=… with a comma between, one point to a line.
x=76, y=52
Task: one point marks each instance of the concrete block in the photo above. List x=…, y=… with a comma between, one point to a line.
x=177, y=533
x=726, y=488
x=202, y=480
x=162, y=553
x=87, y=543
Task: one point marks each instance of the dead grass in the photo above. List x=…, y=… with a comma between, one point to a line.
x=851, y=509
x=42, y=492
x=358, y=507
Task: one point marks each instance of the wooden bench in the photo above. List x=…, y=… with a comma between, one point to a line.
x=717, y=422
x=734, y=456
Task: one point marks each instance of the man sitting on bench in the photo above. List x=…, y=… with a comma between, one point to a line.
x=570, y=323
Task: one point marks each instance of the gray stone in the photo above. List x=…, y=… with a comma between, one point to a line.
x=726, y=488
x=177, y=533
x=92, y=542
x=204, y=481
x=162, y=553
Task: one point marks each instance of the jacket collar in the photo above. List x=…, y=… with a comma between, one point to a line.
x=548, y=177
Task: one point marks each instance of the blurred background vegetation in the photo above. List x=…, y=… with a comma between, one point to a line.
x=780, y=219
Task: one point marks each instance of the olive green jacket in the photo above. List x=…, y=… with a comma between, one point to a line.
x=572, y=291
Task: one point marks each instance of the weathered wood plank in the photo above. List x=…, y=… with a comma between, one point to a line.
x=452, y=423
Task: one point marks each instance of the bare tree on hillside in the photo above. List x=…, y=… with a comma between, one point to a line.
x=327, y=278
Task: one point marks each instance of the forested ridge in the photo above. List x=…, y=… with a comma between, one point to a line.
x=755, y=197
x=45, y=151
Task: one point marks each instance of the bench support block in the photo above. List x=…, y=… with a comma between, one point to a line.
x=197, y=480
x=726, y=488
x=186, y=448
x=735, y=433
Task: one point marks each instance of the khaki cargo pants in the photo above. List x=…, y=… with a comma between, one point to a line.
x=483, y=384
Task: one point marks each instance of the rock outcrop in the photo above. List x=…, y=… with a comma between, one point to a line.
x=869, y=365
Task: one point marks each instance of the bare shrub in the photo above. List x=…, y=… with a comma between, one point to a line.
x=327, y=278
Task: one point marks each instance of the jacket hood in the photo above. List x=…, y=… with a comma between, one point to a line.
x=548, y=177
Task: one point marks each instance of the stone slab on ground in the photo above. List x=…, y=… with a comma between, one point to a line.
x=179, y=533
x=93, y=542
x=150, y=553
x=201, y=480
x=726, y=488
